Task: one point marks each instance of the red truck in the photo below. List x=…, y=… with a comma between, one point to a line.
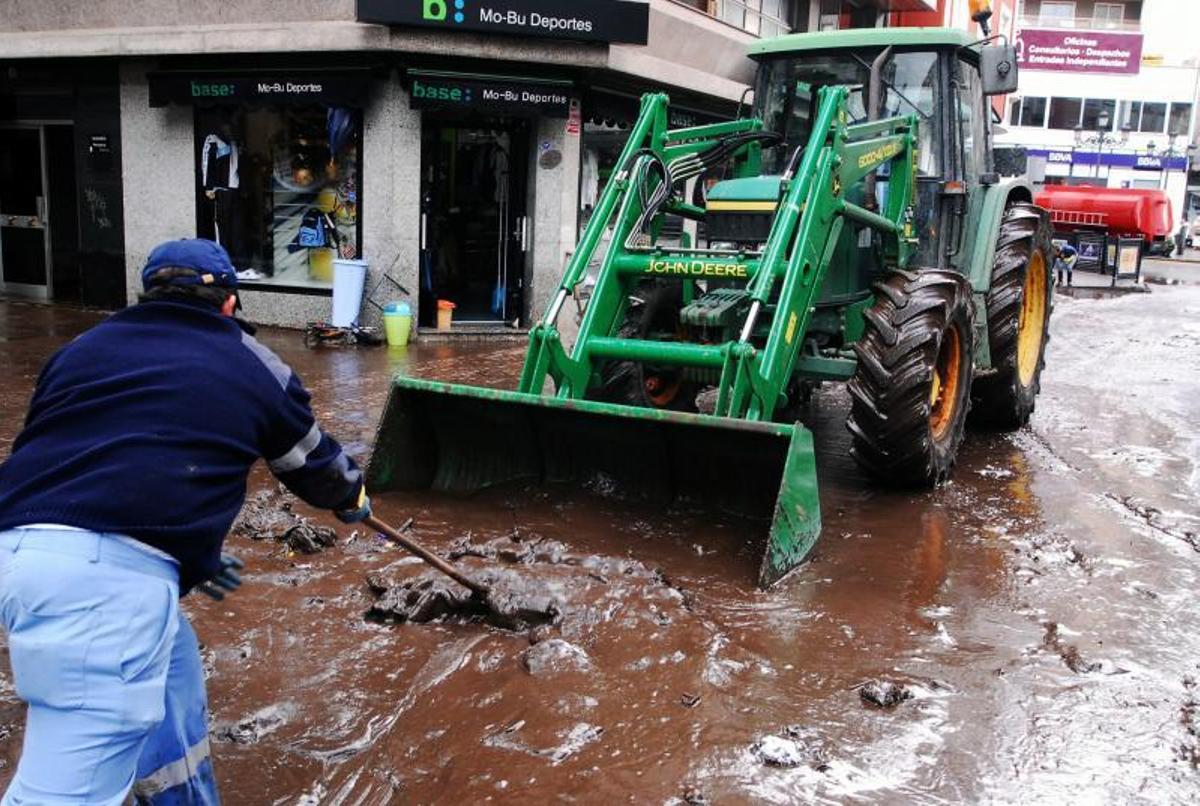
x=1121, y=212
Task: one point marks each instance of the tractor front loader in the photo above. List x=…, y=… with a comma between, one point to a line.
x=837, y=250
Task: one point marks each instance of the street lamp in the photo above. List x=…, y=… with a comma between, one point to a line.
x=1101, y=137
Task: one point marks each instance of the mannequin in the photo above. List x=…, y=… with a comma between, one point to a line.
x=220, y=179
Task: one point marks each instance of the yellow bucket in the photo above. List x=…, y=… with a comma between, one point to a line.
x=397, y=326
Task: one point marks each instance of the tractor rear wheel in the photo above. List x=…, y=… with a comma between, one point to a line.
x=1018, y=312
x=652, y=315
x=909, y=393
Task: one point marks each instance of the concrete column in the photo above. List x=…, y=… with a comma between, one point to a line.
x=554, y=209
x=157, y=173
x=391, y=188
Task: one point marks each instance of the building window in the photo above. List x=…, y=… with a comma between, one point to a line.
x=1098, y=115
x=1108, y=15
x=1154, y=118
x=1029, y=112
x=765, y=18
x=278, y=187
x=1065, y=112
x=1181, y=119
x=1056, y=11
x=1131, y=115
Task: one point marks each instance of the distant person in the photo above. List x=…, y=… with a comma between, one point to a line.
x=1065, y=257
x=115, y=502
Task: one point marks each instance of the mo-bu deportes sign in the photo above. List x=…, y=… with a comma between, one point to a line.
x=588, y=20
x=429, y=90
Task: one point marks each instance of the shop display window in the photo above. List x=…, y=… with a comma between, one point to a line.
x=280, y=187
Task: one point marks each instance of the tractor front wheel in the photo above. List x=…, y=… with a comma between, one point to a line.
x=909, y=393
x=1018, y=314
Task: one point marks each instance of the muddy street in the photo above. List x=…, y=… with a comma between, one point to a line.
x=1026, y=633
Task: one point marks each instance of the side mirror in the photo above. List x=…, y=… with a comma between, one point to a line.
x=998, y=69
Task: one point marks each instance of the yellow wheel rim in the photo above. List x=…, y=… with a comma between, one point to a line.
x=1032, y=322
x=943, y=391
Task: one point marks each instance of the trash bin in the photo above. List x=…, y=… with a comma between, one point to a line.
x=445, y=315
x=349, y=278
x=397, y=322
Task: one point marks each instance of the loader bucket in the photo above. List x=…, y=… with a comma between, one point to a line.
x=460, y=439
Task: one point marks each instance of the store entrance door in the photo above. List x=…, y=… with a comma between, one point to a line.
x=24, y=230
x=474, y=227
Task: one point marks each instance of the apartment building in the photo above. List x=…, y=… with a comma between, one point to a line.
x=1108, y=92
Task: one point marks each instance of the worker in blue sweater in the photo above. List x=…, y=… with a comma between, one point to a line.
x=115, y=502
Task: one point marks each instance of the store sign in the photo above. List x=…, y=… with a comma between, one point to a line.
x=1138, y=162
x=345, y=87
x=427, y=91
x=1079, y=51
x=587, y=20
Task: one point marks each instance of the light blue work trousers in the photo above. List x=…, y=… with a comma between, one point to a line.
x=110, y=669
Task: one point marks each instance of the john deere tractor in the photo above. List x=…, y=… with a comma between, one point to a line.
x=852, y=229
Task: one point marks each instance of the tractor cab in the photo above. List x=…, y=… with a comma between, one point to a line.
x=933, y=74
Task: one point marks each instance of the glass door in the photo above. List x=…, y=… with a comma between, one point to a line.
x=474, y=229
x=24, y=228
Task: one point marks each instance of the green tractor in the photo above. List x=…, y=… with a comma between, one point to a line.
x=857, y=232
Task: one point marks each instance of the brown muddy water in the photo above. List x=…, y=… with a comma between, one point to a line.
x=1034, y=620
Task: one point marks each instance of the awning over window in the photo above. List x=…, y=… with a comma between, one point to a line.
x=299, y=87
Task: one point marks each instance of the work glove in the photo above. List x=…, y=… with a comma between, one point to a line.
x=225, y=580
x=360, y=510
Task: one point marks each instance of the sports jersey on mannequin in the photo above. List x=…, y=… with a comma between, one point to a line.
x=220, y=180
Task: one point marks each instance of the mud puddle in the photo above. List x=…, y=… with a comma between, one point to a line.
x=1044, y=631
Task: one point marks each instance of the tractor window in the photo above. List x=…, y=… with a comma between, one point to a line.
x=787, y=96
x=972, y=114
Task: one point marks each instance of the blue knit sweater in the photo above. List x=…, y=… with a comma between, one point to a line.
x=147, y=426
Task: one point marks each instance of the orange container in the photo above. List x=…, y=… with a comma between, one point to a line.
x=445, y=314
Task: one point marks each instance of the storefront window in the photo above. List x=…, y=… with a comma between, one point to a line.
x=279, y=187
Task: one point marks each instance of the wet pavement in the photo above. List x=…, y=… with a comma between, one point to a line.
x=1027, y=633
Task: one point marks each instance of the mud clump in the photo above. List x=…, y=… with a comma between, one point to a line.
x=270, y=515
x=513, y=550
x=776, y=751
x=1189, y=717
x=1069, y=653
x=308, y=538
x=884, y=693
x=555, y=656
x=259, y=724
x=513, y=603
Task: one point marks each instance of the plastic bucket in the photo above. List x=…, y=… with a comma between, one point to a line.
x=349, y=278
x=397, y=323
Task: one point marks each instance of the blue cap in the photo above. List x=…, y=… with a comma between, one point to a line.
x=207, y=258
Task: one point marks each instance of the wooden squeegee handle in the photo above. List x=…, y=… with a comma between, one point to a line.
x=425, y=554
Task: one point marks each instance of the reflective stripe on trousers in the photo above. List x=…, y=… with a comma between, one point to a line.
x=175, y=767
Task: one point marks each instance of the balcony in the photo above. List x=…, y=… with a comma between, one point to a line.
x=763, y=18
x=1080, y=23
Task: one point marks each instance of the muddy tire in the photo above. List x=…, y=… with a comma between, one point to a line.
x=653, y=314
x=910, y=391
x=1019, y=303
